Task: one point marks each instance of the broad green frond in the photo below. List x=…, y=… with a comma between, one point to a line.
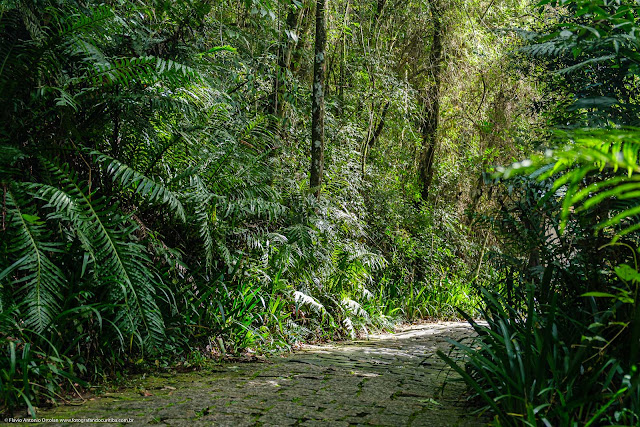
x=39, y=280
x=119, y=261
x=307, y=300
x=205, y=217
x=143, y=70
x=597, y=166
x=78, y=23
x=147, y=188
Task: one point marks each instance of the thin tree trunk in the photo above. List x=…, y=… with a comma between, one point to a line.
x=482, y=252
x=379, y=7
x=317, y=108
x=475, y=195
x=276, y=106
x=115, y=136
x=374, y=137
x=343, y=62
x=339, y=55
x=380, y=127
x=298, y=49
x=432, y=103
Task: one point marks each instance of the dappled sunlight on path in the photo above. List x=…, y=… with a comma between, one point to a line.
x=388, y=380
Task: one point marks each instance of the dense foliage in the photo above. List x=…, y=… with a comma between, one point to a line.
x=562, y=342
x=156, y=207
x=191, y=179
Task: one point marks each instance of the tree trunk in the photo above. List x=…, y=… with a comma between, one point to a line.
x=276, y=106
x=379, y=7
x=298, y=49
x=366, y=145
x=343, y=62
x=317, y=108
x=475, y=194
x=432, y=102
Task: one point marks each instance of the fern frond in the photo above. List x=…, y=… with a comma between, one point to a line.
x=38, y=278
x=354, y=308
x=91, y=19
x=145, y=70
x=348, y=325
x=248, y=204
x=303, y=299
x=147, y=188
x=121, y=263
x=610, y=159
x=549, y=49
x=204, y=217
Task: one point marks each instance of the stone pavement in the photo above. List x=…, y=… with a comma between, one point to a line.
x=387, y=380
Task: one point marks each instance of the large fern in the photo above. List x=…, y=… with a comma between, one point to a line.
x=590, y=59
x=33, y=275
x=599, y=165
x=121, y=265
x=141, y=185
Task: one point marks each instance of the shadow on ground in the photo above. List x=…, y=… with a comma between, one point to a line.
x=388, y=380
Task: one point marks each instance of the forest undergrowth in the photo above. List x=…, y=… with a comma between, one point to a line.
x=562, y=341
x=155, y=210
x=189, y=180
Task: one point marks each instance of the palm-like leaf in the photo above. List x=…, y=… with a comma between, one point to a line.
x=599, y=165
x=147, y=188
x=143, y=70
x=121, y=264
x=34, y=274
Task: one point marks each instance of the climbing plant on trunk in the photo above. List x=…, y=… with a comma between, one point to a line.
x=431, y=114
x=285, y=50
x=317, y=109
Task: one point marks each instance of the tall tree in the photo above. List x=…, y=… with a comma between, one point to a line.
x=431, y=114
x=317, y=109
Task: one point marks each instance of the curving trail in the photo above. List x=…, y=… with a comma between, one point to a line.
x=388, y=380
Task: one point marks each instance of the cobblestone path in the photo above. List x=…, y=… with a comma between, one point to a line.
x=387, y=380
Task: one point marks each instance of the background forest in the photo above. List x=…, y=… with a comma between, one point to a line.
x=190, y=179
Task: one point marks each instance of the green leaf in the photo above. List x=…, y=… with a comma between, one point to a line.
x=225, y=48
x=599, y=295
x=627, y=273
x=32, y=219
